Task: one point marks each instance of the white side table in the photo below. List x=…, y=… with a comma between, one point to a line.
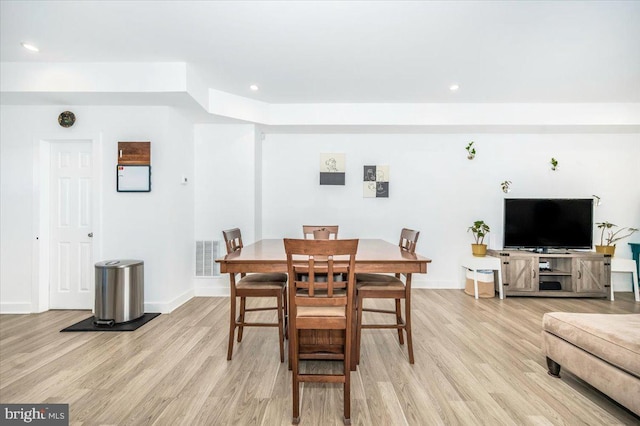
x=478, y=263
x=626, y=265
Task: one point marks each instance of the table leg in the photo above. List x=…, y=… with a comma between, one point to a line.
x=475, y=283
x=232, y=313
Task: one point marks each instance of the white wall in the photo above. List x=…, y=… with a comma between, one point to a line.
x=434, y=188
x=225, y=189
x=156, y=227
x=270, y=188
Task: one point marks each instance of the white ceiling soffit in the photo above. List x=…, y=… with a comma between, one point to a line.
x=329, y=52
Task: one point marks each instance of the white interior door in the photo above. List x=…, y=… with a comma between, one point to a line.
x=71, y=280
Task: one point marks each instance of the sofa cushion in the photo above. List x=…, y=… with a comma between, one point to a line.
x=614, y=338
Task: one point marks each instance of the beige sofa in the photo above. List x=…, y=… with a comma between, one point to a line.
x=601, y=349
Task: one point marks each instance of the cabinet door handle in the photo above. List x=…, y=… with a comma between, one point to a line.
x=534, y=273
x=120, y=153
x=579, y=274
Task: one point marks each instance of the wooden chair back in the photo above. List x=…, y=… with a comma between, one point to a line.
x=313, y=266
x=309, y=230
x=232, y=239
x=408, y=240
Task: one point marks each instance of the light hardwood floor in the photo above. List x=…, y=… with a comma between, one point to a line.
x=477, y=362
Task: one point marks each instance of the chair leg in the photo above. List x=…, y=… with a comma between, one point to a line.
x=293, y=340
x=347, y=376
x=358, y=330
x=243, y=304
x=399, y=321
x=280, y=327
x=354, y=334
x=286, y=314
x=347, y=397
x=232, y=326
x=407, y=329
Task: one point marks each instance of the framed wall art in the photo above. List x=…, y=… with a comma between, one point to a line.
x=332, y=169
x=376, y=182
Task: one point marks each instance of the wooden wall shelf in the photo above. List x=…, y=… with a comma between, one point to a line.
x=134, y=153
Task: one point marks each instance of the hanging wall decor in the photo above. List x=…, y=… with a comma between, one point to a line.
x=66, y=119
x=554, y=164
x=471, y=151
x=134, y=167
x=376, y=182
x=506, y=186
x=332, y=169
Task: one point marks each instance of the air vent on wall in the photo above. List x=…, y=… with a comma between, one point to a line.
x=206, y=253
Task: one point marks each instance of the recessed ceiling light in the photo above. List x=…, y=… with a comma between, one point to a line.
x=454, y=87
x=254, y=87
x=29, y=46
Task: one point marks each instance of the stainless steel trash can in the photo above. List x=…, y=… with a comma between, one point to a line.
x=119, y=291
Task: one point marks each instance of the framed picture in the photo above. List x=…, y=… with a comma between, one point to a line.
x=133, y=178
x=375, y=182
x=332, y=169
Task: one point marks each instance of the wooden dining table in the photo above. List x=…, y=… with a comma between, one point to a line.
x=373, y=256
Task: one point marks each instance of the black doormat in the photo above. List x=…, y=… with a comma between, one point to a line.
x=88, y=325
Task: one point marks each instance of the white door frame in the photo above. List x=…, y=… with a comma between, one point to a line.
x=41, y=225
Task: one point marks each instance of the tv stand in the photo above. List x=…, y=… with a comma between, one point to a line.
x=546, y=250
x=561, y=273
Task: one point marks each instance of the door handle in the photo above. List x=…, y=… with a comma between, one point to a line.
x=90, y=235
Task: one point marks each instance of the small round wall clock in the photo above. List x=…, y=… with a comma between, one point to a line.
x=66, y=119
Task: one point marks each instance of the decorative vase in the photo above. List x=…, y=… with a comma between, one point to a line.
x=321, y=234
x=479, y=250
x=610, y=250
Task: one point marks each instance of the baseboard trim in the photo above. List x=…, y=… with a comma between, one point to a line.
x=168, y=307
x=15, y=308
x=212, y=287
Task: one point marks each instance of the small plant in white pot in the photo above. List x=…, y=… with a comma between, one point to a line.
x=479, y=230
x=607, y=245
x=471, y=151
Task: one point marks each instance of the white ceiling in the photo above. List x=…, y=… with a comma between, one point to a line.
x=366, y=51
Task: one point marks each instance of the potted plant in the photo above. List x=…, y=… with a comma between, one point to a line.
x=321, y=234
x=611, y=237
x=479, y=230
x=471, y=151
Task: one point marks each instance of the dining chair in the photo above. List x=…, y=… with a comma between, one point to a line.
x=254, y=285
x=326, y=305
x=381, y=286
x=320, y=232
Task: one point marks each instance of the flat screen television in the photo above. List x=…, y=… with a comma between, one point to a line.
x=548, y=223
